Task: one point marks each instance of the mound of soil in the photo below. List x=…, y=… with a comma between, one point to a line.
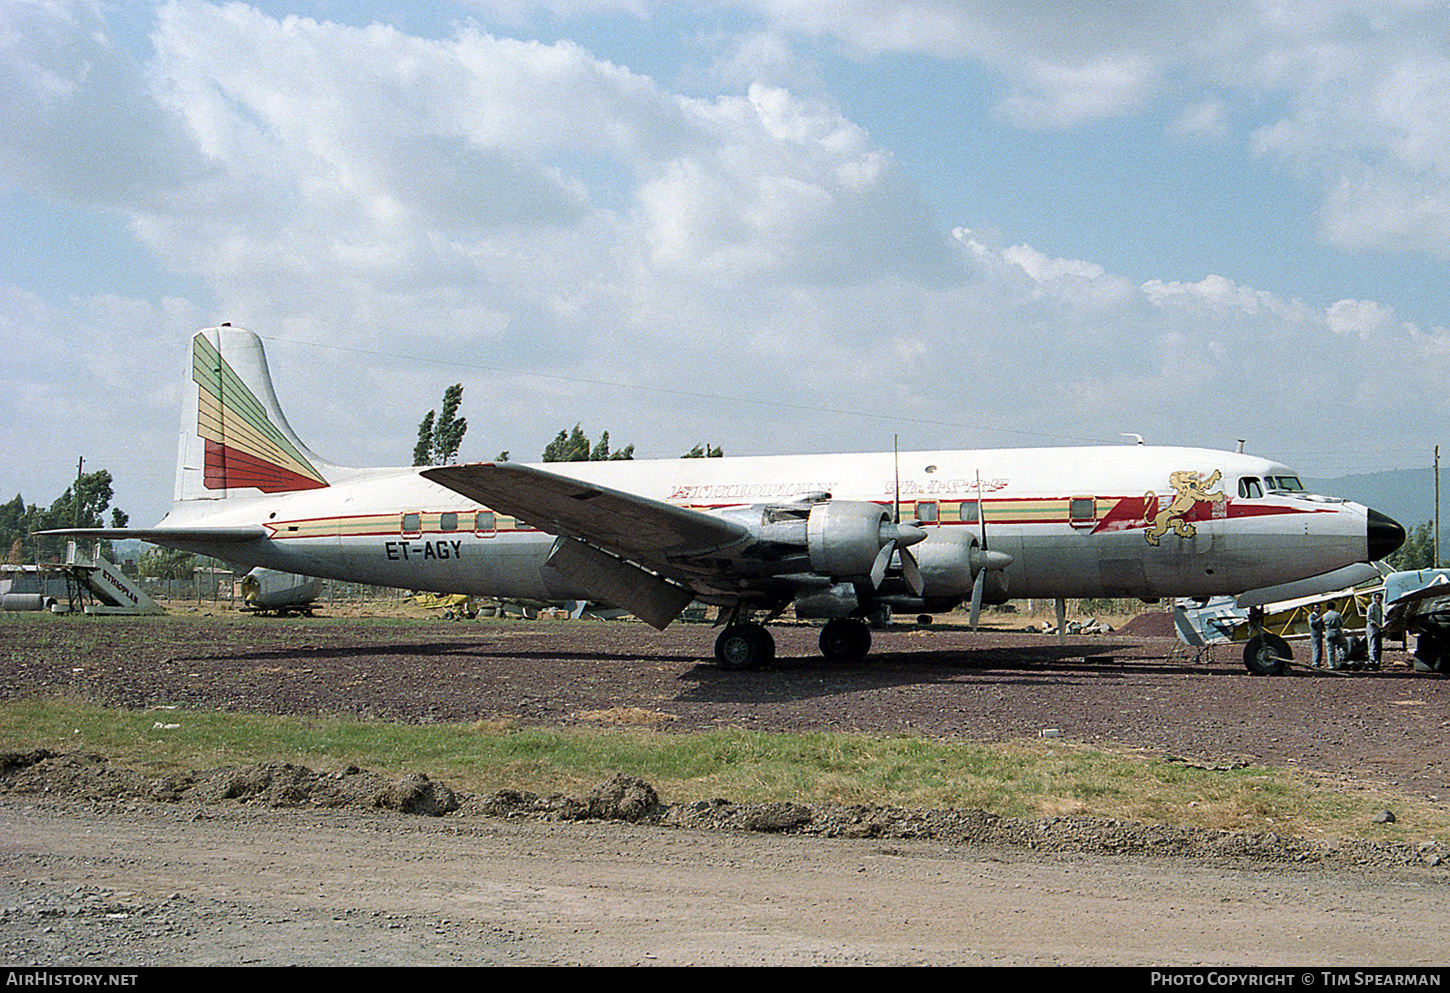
x=91, y=778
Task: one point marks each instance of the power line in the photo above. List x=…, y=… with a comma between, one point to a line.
x=686, y=394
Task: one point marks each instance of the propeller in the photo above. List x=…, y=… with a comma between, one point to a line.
x=896, y=537
x=983, y=560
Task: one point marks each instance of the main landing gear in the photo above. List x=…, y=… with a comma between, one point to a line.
x=744, y=646
x=845, y=640
x=1268, y=655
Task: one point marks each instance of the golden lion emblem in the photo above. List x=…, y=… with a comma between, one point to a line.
x=1188, y=489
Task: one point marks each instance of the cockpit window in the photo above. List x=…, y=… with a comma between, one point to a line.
x=1287, y=484
x=1249, y=488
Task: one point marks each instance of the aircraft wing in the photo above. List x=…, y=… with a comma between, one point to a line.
x=632, y=526
x=1418, y=607
x=1437, y=588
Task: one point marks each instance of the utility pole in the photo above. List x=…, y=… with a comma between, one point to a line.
x=1437, y=507
x=76, y=493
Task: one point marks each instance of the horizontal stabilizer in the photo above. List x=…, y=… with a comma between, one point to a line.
x=164, y=536
x=1400, y=587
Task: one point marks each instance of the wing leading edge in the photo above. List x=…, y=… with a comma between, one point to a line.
x=626, y=547
x=626, y=524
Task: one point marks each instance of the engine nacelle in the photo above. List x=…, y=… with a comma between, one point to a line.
x=268, y=589
x=843, y=537
x=950, y=564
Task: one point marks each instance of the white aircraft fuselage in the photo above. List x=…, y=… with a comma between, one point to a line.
x=840, y=536
x=355, y=529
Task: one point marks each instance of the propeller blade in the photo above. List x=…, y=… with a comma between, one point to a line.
x=984, y=557
x=984, y=562
x=883, y=561
x=896, y=486
x=981, y=511
x=911, y=572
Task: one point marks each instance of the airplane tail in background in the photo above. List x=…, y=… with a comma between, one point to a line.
x=235, y=441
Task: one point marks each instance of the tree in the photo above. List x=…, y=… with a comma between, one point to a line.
x=13, y=527
x=423, y=450
x=440, y=435
x=1418, y=551
x=82, y=505
x=575, y=446
x=166, y=563
x=704, y=452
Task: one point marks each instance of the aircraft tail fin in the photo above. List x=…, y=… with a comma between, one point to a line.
x=235, y=440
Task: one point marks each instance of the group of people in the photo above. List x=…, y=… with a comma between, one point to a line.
x=1327, y=630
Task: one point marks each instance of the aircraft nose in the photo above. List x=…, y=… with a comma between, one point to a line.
x=1384, y=534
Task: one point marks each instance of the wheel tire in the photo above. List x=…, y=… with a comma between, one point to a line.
x=1267, y=655
x=845, y=641
x=744, y=646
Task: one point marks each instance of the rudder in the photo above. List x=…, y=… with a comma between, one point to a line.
x=235, y=440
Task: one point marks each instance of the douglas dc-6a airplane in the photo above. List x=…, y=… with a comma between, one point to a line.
x=841, y=537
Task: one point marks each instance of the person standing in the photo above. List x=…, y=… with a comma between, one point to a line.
x=1316, y=637
x=1374, y=622
x=1334, y=637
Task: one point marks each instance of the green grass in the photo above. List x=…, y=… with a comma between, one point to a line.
x=1018, y=779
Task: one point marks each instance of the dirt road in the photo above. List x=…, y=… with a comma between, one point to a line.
x=151, y=885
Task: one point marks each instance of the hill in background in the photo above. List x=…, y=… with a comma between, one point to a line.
x=1407, y=495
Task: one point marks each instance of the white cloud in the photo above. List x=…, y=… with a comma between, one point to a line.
x=1205, y=120
x=1364, y=319
x=1353, y=91
x=108, y=391
x=78, y=124
x=1060, y=95
x=577, y=242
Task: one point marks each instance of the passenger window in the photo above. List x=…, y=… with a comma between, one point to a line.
x=412, y=523
x=969, y=511
x=1082, y=510
x=1249, y=488
x=927, y=512
x=448, y=522
x=484, y=521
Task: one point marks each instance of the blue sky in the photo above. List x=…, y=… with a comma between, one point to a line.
x=770, y=225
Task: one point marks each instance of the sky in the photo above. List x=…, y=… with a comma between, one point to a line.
x=775, y=226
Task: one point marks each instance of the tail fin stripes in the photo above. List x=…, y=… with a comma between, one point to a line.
x=243, y=447
x=237, y=437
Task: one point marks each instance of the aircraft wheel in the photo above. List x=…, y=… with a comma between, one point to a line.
x=744, y=646
x=1267, y=655
x=844, y=640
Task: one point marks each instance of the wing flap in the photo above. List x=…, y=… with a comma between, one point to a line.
x=642, y=593
x=630, y=525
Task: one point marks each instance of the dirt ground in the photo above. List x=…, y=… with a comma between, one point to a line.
x=96, y=877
